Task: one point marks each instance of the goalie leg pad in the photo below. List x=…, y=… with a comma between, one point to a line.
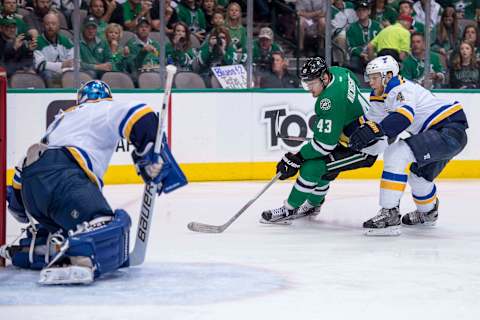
x=107, y=246
x=174, y=178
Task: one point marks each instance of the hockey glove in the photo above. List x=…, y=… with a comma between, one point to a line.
x=366, y=135
x=289, y=165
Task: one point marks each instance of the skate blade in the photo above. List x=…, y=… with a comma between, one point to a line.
x=66, y=275
x=386, y=232
x=280, y=223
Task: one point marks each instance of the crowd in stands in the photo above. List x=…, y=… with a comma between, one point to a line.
x=123, y=36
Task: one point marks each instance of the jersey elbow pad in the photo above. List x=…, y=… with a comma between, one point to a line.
x=394, y=124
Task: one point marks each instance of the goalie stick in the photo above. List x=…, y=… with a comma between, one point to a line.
x=208, y=228
x=137, y=256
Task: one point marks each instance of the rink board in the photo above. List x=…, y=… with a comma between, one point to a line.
x=220, y=135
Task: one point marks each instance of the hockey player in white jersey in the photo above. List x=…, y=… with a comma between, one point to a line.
x=437, y=130
x=59, y=184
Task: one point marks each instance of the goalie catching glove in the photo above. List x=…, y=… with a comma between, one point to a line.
x=289, y=165
x=161, y=169
x=366, y=135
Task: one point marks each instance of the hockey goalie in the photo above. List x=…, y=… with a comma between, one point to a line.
x=73, y=235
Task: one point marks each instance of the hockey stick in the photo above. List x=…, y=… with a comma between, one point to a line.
x=207, y=228
x=293, y=138
x=137, y=256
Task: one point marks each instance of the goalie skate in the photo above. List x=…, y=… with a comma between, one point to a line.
x=66, y=275
x=386, y=223
x=427, y=219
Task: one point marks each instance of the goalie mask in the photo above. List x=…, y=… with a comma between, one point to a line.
x=313, y=68
x=93, y=90
x=382, y=66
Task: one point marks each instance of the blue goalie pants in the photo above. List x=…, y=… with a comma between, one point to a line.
x=59, y=194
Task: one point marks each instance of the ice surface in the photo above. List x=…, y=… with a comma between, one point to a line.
x=321, y=269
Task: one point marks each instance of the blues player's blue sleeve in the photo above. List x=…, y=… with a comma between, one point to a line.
x=144, y=131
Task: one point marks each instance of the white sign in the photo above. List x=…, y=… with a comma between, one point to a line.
x=231, y=77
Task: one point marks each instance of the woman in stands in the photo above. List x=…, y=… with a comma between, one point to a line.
x=465, y=73
x=179, y=50
x=447, y=34
x=113, y=34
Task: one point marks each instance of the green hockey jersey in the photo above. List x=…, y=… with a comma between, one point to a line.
x=339, y=104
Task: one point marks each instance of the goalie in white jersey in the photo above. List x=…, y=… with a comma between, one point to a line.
x=59, y=184
x=437, y=131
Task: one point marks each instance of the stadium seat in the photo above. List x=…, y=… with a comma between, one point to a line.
x=26, y=80
x=118, y=80
x=188, y=80
x=68, y=79
x=149, y=80
x=214, y=82
x=127, y=35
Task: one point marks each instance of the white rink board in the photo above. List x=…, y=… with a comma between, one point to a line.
x=207, y=127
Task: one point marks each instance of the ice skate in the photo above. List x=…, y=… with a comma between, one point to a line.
x=421, y=218
x=386, y=223
x=281, y=215
x=307, y=210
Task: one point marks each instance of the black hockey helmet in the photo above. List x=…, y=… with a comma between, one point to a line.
x=313, y=68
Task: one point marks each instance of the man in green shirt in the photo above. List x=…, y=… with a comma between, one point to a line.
x=133, y=11
x=263, y=48
x=339, y=109
x=193, y=17
x=395, y=37
x=95, y=54
x=413, y=66
x=144, y=51
x=359, y=35
x=9, y=8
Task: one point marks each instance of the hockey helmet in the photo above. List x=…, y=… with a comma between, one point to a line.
x=93, y=90
x=382, y=65
x=313, y=68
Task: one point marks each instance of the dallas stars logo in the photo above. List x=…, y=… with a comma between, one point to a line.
x=325, y=104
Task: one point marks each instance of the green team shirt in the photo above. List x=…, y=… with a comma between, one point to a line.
x=130, y=13
x=413, y=68
x=194, y=19
x=339, y=104
x=358, y=36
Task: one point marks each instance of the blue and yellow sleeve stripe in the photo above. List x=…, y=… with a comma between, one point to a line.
x=407, y=112
x=133, y=115
x=378, y=98
x=17, y=181
x=429, y=198
x=441, y=114
x=81, y=157
x=393, y=181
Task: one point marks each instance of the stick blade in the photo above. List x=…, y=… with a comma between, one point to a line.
x=204, y=228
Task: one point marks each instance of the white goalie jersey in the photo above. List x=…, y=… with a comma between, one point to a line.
x=92, y=130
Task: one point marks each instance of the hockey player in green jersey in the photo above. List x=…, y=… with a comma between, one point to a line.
x=339, y=109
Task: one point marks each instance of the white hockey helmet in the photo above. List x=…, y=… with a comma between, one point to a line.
x=382, y=65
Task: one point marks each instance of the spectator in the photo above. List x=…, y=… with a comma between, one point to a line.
x=208, y=7
x=179, y=50
x=144, y=51
x=465, y=73
x=16, y=50
x=95, y=55
x=215, y=51
x=10, y=9
x=97, y=11
x=383, y=13
x=396, y=36
x=35, y=19
x=193, y=17
x=263, y=47
x=279, y=77
x=222, y=4
x=467, y=9
x=66, y=7
x=343, y=15
x=312, y=20
x=405, y=7
x=119, y=55
x=414, y=65
x=470, y=35
x=54, y=53
x=359, y=34
x=134, y=11
x=238, y=33
x=447, y=34
x=170, y=16
x=218, y=19
x=435, y=12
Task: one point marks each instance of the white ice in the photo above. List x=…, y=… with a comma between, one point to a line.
x=321, y=269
